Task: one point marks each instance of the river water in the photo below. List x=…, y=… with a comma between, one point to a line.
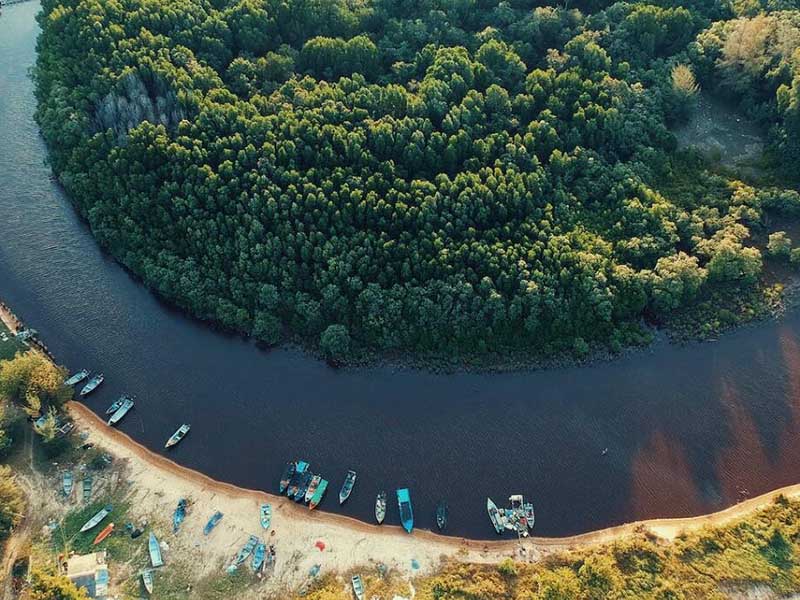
x=688, y=429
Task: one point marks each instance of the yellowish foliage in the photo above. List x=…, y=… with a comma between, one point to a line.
x=32, y=374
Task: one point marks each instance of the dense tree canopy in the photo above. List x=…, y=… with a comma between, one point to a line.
x=450, y=175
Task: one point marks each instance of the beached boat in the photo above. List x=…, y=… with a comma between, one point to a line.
x=246, y=550
x=148, y=580
x=406, y=510
x=104, y=534
x=347, y=486
x=358, y=587
x=441, y=515
x=317, y=498
x=67, y=482
x=114, y=407
x=101, y=514
x=77, y=377
x=121, y=412
x=212, y=522
x=294, y=483
x=305, y=482
x=380, y=507
x=312, y=488
x=259, y=554
x=154, y=548
x=176, y=437
x=92, y=384
x=179, y=515
x=288, y=473
x=87, y=487
x=494, y=516
x=266, y=515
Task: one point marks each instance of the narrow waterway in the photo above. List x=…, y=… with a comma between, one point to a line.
x=688, y=430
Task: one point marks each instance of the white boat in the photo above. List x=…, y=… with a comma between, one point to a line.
x=121, y=412
x=147, y=580
x=155, y=551
x=116, y=404
x=177, y=436
x=102, y=514
x=92, y=384
x=358, y=587
x=77, y=377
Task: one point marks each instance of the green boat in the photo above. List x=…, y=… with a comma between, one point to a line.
x=87, y=487
x=317, y=497
x=266, y=515
x=67, y=483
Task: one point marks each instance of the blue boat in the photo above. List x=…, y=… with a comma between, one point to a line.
x=258, y=556
x=180, y=514
x=305, y=481
x=246, y=551
x=406, y=512
x=155, y=551
x=286, y=478
x=212, y=522
x=294, y=483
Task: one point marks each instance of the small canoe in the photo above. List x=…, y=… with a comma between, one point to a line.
x=266, y=515
x=92, y=385
x=288, y=473
x=312, y=488
x=67, y=482
x=176, y=437
x=179, y=515
x=347, y=486
x=441, y=515
x=358, y=587
x=115, y=405
x=212, y=522
x=87, y=487
x=104, y=534
x=258, y=556
x=155, y=551
x=406, y=511
x=127, y=404
x=317, y=498
x=148, y=580
x=380, y=507
x=77, y=377
x=101, y=514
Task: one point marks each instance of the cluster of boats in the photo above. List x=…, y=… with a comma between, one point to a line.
x=519, y=517
x=90, y=386
x=263, y=556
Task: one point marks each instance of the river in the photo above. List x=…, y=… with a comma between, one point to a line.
x=689, y=429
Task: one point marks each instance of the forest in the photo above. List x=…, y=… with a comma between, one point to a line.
x=439, y=176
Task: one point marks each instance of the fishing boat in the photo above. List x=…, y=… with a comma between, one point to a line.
x=115, y=405
x=212, y=522
x=67, y=482
x=294, y=483
x=406, y=511
x=101, y=514
x=358, y=587
x=121, y=412
x=266, y=515
x=530, y=517
x=317, y=498
x=246, y=550
x=494, y=516
x=347, y=487
x=147, y=580
x=177, y=436
x=155, y=551
x=258, y=556
x=92, y=384
x=179, y=515
x=380, y=507
x=288, y=473
x=77, y=377
x=87, y=487
x=305, y=482
x=441, y=515
x=312, y=488
x=104, y=534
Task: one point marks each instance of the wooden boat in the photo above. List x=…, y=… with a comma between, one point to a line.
x=114, y=407
x=259, y=554
x=104, y=534
x=266, y=515
x=294, y=483
x=347, y=486
x=77, y=377
x=179, y=515
x=87, y=487
x=305, y=482
x=212, y=522
x=286, y=478
x=177, y=436
x=127, y=404
x=441, y=515
x=358, y=587
x=312, y=488
x=317, y=498
x=494, y=516
x=67, y=482
x=155, y=551
x=380, y=507
x=92, y=384
x=530, y=516
x=101, y=514
x=406, y=510
x=148, y=577
x=246, y=550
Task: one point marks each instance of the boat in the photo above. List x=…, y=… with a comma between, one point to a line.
x=380, y=507
x=147, y=580
x=441, y=515
x=258, y=556
x=77, y=377
x=288, y=473
x=294, y=483
x=494, y=516
x=87, y=487
x=358, y=587
x=67, y=482
x=212, y=522
x=177, y=436
x=246, y=550
x=530, y=517
x=115, y=405
x=179, y=515
x=317, y=498
x=406, y=511
x=101, y=514
x=270, y=557
x=312, y=488
x=104, y=534
x=347, y=487
x=266, y=515
x=92, y=384
x=155, y=551
x=305, y=482
x=121, y=412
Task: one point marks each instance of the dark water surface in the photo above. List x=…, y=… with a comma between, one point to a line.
x=688, y=429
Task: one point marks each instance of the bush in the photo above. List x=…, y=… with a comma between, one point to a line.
x=779, y=245
x=335, y=343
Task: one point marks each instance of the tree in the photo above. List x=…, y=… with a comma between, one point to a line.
x=46, y=586
x=558, y=584
x=12, y=502
x=31, y=378
x=335, y=343
x=779, y=244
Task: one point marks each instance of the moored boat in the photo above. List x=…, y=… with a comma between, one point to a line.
x=317, y=498
x=154, y=548
x=312, y=488
x=406, y=510
x=101, y=514
x=87, y=487
x=148, y=580
x=358, y=587
x=347, y=486
x=380, y=507
x=441, y=515
x=305, y=481
x=294, y=483
x=530, y=516
x=104, y=534
x=92, y=384
x=176, y=437
x=288, y=473
x=494, y=516
x=77, y=377
x=67, y=482
x=266, y=515
x=212, y=522
x=127, y=404
x=117, y=404
x=259, y=554
x=179, y=515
